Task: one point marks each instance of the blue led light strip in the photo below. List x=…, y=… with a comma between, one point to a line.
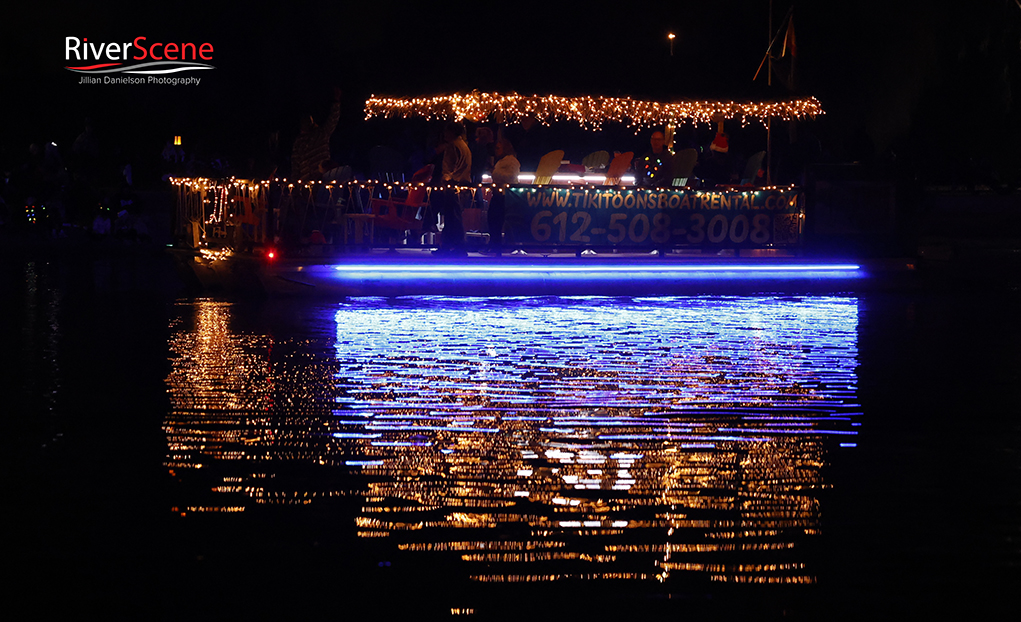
x=462, y=269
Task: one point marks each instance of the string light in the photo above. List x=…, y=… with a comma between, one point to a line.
x=589, y=112
x=563, y=182
x=206, y=201
x=216, y=255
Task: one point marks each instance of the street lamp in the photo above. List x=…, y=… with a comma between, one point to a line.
x=671, y=36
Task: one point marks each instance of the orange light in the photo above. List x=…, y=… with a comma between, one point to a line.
x=177, y=140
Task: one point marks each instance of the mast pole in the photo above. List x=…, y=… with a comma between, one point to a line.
x=769, y=43
x=769, y=82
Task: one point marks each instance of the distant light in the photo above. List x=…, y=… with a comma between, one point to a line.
x=177, y=141
x=671, y=36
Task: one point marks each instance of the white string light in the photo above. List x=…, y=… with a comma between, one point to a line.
x=589, y=112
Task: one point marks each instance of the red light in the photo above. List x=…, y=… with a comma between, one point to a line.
x=271, y=254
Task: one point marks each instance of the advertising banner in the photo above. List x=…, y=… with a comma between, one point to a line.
x=654, y=218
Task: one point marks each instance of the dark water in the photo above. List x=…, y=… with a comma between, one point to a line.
x=772, y=457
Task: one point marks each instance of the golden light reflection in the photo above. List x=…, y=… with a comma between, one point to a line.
x=533, y=440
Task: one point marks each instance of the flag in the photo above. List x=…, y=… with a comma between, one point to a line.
x=783, y=66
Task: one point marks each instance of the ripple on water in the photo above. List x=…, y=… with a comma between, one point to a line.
x=535, y=439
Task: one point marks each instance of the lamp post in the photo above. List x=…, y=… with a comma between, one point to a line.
x=671, y=36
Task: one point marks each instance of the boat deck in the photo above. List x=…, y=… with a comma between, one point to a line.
x=417, y=272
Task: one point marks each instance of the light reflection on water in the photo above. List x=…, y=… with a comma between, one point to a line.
x=534, y=439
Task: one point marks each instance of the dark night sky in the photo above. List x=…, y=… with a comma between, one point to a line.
x=896, y=70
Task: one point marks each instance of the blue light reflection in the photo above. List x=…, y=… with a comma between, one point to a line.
x=739, y=370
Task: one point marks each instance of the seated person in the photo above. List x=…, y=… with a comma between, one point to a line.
x=653, y=169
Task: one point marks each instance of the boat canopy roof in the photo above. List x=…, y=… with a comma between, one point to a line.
x=590, y=112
